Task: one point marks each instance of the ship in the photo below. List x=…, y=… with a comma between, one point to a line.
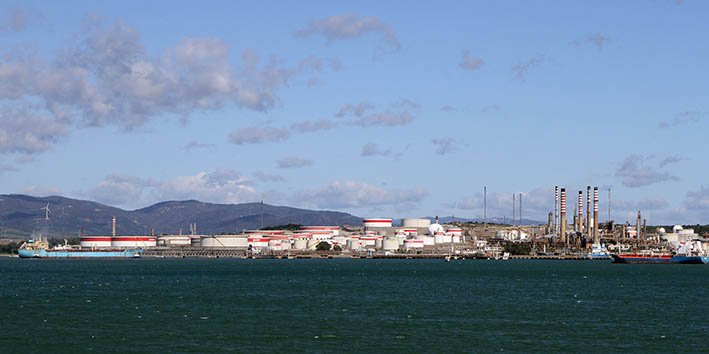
x=686, y=253
x=599, y=251
x=40, y=249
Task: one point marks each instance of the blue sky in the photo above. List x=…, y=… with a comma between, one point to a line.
x=375, y=108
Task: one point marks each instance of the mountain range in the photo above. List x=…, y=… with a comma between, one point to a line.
x=20, y=215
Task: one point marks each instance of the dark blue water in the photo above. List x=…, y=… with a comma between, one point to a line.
x=217, y=305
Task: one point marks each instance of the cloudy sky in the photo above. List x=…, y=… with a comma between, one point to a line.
x=392, y=108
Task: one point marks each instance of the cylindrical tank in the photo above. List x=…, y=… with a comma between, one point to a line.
x=326, y=230
x=133, y=241
x=377, y=222
x=174, y=241
x=413, y=243
x=454, y=231
x=300, y=243
x=378, y=243
x=226, y=241
x=415, y=223
x=427, y=240
x=390, y=244
x=95, y=241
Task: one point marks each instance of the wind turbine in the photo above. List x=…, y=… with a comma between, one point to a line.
x=46, y=211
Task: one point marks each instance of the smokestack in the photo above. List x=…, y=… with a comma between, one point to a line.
x=580, y=217
x=513, y=209
x=550, y=223
x=556, y=210
x=562, y=223
x=637, y=227
x=113, y=226
x=520, y=209
x=588, y=211
x=595, y=215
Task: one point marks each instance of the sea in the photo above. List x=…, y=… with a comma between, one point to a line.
x=350, y=305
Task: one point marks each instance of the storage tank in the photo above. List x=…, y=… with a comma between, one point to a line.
x=377, y=222
x=390, y=244
x=174, y=241
x=258, y=242
x=454, y=231
x=378, y=243
x=322, y=230
x=413, y=244
x=300, y=244
x=440, y=237
x=427, y=240
x=226, y=241
x=133, y=241
x=415, y=223
x=95, y=241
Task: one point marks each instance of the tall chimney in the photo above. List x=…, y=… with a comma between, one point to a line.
x=556, y=210
x=637, y=227
x=562, y=223
x=113, y=226
x=513, y=209
x=595, y=215
x=580, y=217
x=588, y=211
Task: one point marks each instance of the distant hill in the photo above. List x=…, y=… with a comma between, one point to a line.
x=24, y=214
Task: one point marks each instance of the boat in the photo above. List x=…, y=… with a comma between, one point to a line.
x=690, y=252
x=598, y=251
x=41, y=249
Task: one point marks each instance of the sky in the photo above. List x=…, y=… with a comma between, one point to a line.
x=376, y=108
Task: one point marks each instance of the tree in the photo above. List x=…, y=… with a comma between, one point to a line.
x=323, y=246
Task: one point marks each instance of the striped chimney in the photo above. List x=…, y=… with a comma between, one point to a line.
x=556, y=210
x=562, y=223
x=588, y=211
x=595, y=215
x=580, y=217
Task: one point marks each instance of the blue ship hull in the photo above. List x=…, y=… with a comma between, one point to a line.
x=129, y=253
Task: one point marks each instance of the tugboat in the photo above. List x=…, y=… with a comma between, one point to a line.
x=689, y=252
x=599, y=251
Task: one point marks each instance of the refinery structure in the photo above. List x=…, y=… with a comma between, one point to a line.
x=576, y=234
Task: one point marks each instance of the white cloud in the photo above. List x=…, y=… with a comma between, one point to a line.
x=221, y=186
x=194, y=145
x=358, y=109
x=670, y=160
x=107, y=77
x=385, y=119
x=597, y=39
x=312, y=126
x=349, y=26
x=267, y=177
x=698, y=200
x=372, y=149
x=5, y=168
x=351, y=194
x=28, y=130
x=444, y=145
x=469, y=62
x=683, y=118
x=256, y=135
x=535, y=203
x=635, y=173
x=523, y=68
x=293, y=162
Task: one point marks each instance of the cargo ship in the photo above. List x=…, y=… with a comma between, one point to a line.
x=687, y=253
x=41, y=249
